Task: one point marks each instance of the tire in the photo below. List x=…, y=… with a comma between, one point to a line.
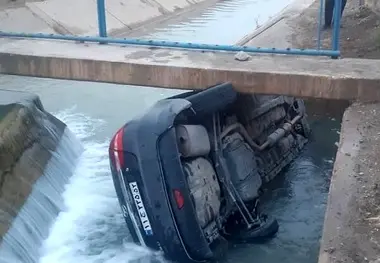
x=303, y=128
x=219, y=248
x=260, y=234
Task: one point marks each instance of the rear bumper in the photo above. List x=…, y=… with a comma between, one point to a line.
x=150, y=149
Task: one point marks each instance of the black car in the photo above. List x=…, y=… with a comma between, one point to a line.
x=188, y=173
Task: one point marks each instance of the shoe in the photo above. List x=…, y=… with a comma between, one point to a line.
x=330, y=26
x=326, y=27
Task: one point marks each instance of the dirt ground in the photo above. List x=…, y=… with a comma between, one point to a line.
x=360, y=32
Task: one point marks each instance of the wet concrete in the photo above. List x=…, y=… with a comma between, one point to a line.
x=26, y=130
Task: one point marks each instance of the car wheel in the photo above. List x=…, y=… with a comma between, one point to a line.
x=267, y=229
x=303, y=128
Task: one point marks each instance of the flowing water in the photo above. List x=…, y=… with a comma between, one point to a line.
x=22, y=242
x=224, y=23
x=90, y=227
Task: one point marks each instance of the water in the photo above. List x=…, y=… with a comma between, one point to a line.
x=90, y=228
x=224, y=23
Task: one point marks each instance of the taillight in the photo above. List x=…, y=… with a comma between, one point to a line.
x=179, y=199
x=116, y=149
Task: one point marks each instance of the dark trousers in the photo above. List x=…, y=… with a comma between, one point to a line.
x=329, y=10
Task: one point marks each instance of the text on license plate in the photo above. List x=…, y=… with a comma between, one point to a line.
x=140, y=208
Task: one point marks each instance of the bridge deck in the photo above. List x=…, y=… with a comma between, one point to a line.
x=352, y=79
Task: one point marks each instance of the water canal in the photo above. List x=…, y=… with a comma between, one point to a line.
x=90, y=227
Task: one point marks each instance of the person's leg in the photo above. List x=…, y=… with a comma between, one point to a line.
x=344, y=2
x=341, y=11
x=329, y=10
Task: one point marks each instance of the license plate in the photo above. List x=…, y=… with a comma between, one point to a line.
x=140, y=208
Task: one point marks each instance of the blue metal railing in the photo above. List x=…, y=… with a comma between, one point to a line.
x=170, y=44
x=102, y=23
x=320, y=21
x=102, y=38
x=336, y=25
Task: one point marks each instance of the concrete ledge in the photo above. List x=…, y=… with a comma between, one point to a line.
x=8, y=4
x=346, y=79
x=23, y=20
x=28, y=136
x=352, y=218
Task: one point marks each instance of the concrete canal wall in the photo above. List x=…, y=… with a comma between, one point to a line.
x=351, y=228
x=26, y=131
x=80, y=17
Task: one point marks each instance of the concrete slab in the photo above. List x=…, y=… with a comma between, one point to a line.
x=173, y=5
x=7, y=4
x=278, y=31
x=131, y=12
x=22, y=20
x=77, y=17
x=347, y=79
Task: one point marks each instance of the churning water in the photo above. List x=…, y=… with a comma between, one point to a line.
x=90, y=228
x=22, y=242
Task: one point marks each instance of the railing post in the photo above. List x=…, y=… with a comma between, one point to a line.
x=336, y=24
x=321, y=9
x=102, y=18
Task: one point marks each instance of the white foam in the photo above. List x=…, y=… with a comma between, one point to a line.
x=91, y=229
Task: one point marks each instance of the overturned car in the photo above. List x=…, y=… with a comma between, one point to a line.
x=188, y=173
